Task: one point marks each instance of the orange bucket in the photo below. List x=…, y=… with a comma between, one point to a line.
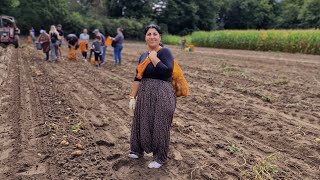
x=108, y=41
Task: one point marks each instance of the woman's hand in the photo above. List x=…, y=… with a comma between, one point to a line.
x=153, y=55
x=132, y=104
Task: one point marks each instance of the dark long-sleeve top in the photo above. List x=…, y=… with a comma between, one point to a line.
x=103, y=39
x=72, y=39
x=97, y=46
x=163, y=70
x=119, y=38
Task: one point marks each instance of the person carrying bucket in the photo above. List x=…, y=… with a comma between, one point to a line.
x=84, y=40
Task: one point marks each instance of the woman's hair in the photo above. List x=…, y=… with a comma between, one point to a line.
x=120, y=29
x=156, y=27
x=53, y=30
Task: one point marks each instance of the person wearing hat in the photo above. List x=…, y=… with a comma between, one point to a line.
x=44, y=40
x=104, y=47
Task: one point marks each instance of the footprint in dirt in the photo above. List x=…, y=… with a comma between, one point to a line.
x=120, y=163
x=114, y=156
x=104, y=143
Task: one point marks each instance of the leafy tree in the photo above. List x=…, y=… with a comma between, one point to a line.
x=183, y=17
x=263, y=16
x=7, y=6
x=179, y=16
x=40, y=14
x=287, y=14
x=208, y=14
x=248, y=14
x=310, y=14
x=115, y=8
x=134, y=9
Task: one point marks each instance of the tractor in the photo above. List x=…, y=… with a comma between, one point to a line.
x=9, y=32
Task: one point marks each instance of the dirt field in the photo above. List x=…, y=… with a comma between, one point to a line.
x=250, y=115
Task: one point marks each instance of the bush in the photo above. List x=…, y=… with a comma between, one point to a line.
x=133, y=29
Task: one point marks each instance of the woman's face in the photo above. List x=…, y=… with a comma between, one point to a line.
x=153, y=38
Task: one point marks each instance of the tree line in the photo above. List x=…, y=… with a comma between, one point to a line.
x=174, y=16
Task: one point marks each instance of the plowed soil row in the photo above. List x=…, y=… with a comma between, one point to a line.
x=249, y=113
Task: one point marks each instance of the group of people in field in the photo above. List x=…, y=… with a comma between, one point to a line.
x=52, y=41
x=152, y=97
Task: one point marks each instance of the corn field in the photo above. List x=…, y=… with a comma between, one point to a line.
x=175, y=40
x=292, y=41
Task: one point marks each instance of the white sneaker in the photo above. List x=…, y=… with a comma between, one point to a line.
x=133, y=156
x=154, y=164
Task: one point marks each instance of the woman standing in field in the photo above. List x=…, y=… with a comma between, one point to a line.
x=61, y=34
x=54, y=43
x=33, y=35
x=153, y=100
x=118, y=46
x=183, y=43
x=84, y=40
